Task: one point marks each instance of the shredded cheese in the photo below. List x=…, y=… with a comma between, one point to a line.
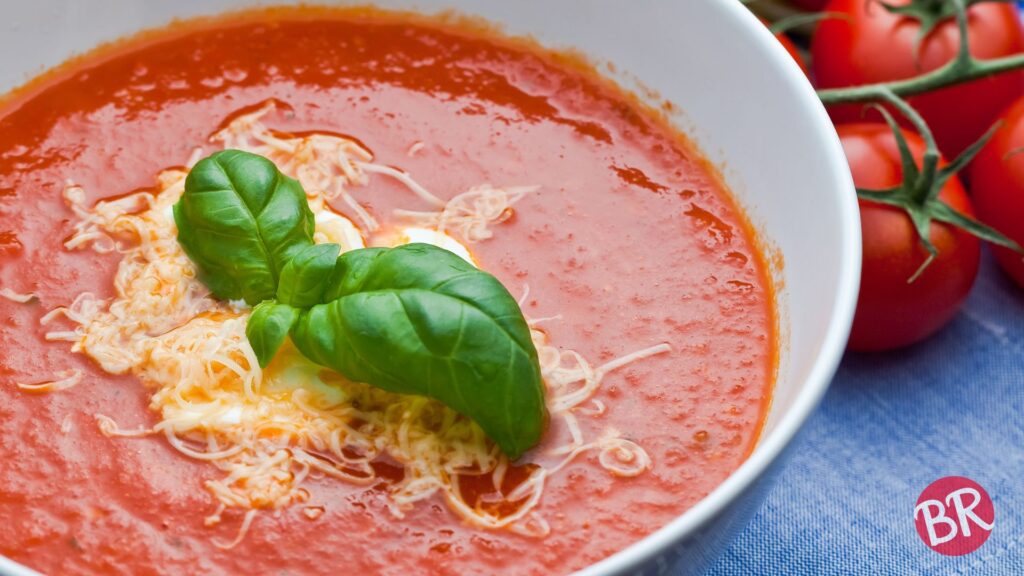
x=471, y=213
x=326, y=165
x=415, y=148
x=110, y=429
x=16, y=296
x=65, y=379
x=329, y=165
x=268, y=430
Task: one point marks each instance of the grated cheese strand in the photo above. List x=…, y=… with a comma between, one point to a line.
x=242, y=531
x=65, y=379
x=404, y=178
x=109, y=428
x=415, y=148
x=16, y=297
x=471, y=213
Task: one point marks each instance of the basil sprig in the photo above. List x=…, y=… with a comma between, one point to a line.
x=241, y=221
x=415, y=319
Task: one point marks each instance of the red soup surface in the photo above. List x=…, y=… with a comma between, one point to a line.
x=631, y=239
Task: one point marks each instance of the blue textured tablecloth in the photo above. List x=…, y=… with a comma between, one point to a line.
x=890, y=425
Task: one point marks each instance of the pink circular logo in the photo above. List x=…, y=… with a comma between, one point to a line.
x=954, y=516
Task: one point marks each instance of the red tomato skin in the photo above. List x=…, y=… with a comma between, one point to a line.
x=872, y=45
x=997, y=187
x=891, y=312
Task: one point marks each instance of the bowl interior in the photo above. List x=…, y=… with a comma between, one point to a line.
x=744, y=102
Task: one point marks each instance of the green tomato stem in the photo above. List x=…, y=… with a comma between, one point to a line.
x=954, y=72
x=963, y=68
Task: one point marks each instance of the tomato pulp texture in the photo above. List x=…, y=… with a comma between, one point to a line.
x=892, y=312
x=632, y=239
x=997, y=187
x=869, y=44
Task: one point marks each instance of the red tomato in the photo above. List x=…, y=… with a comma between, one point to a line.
x=890, y=311
x=997, y=187
x=872, y=45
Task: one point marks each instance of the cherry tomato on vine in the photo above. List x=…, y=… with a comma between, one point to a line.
x=869, y=44
x=890, y=311
x=997, y=187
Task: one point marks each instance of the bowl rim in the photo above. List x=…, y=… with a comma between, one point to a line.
x=824, y=367
x=833, y=345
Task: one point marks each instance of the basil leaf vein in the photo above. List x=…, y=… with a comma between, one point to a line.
x=304, y=278
x=267, y=328
x=445, y=330
x=241, y=221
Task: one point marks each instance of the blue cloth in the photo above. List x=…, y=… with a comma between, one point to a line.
x=889, y=426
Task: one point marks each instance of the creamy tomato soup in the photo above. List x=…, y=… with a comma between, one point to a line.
x=140, y=435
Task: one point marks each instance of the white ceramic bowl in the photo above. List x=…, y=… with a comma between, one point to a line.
x=745, y=103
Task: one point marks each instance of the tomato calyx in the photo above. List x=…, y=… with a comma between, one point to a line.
x=929, y=13
x=918, y=192
x=961, y=69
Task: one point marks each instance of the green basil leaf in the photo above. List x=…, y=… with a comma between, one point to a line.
x=267, y=328
x=415, y=319
x=241, y=220
x=418, y=319
x=304, y=278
